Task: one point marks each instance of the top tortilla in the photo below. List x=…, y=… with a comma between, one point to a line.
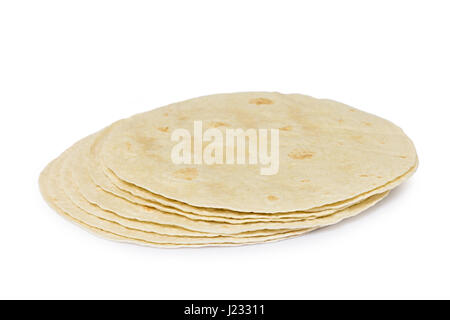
x=329, y=152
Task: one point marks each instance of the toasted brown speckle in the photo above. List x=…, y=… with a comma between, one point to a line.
x=186, y=173
x=286, y=128
x=259, y=101
x=272, y=198
x=364, y=176
x=217, y=124
x=300, y=155
x=305, y=180
x=144, y=141
x=163, y=129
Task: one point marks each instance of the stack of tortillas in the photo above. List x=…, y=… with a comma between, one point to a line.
x=123, y=182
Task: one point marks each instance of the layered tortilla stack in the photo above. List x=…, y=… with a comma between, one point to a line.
x=122, y=182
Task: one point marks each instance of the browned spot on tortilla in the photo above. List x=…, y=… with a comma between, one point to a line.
x=357, y=138
x=364, y=176
x=286, y=128
x=217, y=124
x=403, y=157
x=166, y=114
x=305, y=180
x=379, y=177
x=368, y=124
x=272, y=198
x=300, y=155
x=128, y=145
x=259, y=101
x=144, y=141
x=182, y=118
x=340, y=121
x=187, y=173
x=163, y=129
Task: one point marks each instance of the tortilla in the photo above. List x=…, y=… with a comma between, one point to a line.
x=329, y=153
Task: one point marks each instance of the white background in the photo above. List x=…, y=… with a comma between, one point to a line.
x=69, y=68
